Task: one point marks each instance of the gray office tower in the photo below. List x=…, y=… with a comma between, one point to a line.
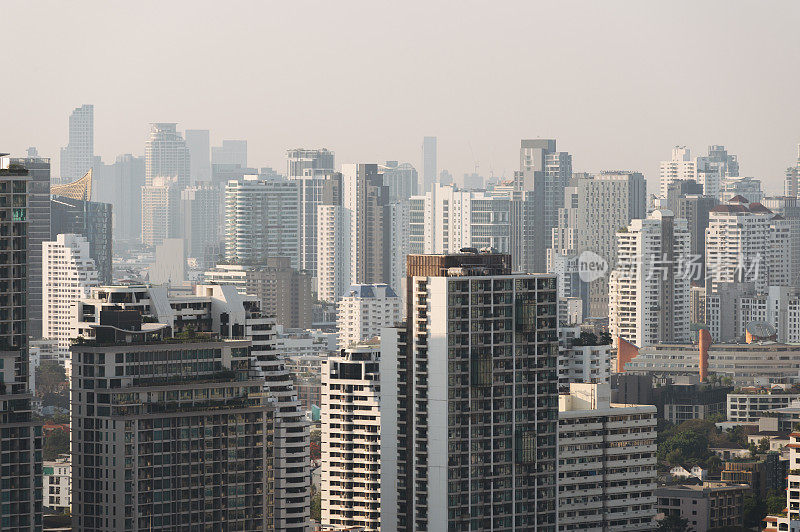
x=545, y=172
x=129, y=179
x=78, y=156
x=197, y=140
x=20, y=435
x=429, y=164
x=168, y=433
x=38, y=231
x=469, y=399
x=92, y=220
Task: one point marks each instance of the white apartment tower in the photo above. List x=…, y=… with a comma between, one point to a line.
x=681, y=166
x=166, y=155
x=715, y=167
x=744, y=242
x=67, y=273
x=261, y=220
x=333, y=246
x=77, y=157
x=351, y=439
x=364, y=310
x=606, y=462
x=161, y=211
x=469, y=399
x=648, y=291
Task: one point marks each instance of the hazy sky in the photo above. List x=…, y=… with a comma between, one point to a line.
x=617, y=83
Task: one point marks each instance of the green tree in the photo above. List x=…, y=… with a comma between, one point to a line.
x=776, y=502
x=763, y=445
x=50, y=377
x=56, y=442
x=673, y=523
x=316, y=506
x=753, y=511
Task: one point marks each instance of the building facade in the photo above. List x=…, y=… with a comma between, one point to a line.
x=364, y=310
x=680, y=167
x=78, y=156
x=166, y=155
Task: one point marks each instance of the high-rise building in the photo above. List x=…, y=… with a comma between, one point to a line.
x=282, y=291
x=681, y=166
x=194, y=404
x=714, y=167
x=401, y=179
x=20, y=434
x=364, y=310
x=747, y=187
x=38, y=231
x=129, y=179
x=741, y=242
x=790, y=519
x=606, y=462
x=67, y=273
x=261, y=220
x=222, y=311
x=333, y=245
x=696, y=210
x=583, y=357
x=546, y=173
x=648, y=291
x=365, y=200
x=232, y=152
x=313, y=170
x=350, y=416
x=161, y=211
x=429, y=164
x=77, y=157
x=90, y=219
x=200, y=209
x=469, y=405
x=198, y=142
x=166, y=155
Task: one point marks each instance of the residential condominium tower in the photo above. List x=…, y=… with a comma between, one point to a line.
x=471, y=394
x=681, y=166
x=364, y=310
x=166, y=155
x=78, y=156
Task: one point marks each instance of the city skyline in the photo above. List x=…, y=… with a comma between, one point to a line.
x=483, y=98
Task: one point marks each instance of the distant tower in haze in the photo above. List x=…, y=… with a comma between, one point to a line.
x=681, y=166
x=429, y=164
x=166, y=155
x=77, y=157
x=197, y=140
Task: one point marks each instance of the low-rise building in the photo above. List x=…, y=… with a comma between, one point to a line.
x=57, y=484
x=607, y=462
x=749, y=407
x=704, y=506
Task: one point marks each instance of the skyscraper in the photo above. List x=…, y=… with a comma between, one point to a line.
x=261, y=220
x=714, y=167
x=129, y=179
x=311, y=169
x=232, y=152
x=38, y=231
x=161, y=211
x=67, y=273
x=166, y=155
x=648, y=293
x=401, y=179
x=364, y=310
x=680, y=166
x=93, y=221
x=429, y=163
x=200, y=209
x=546, y=173
x=197, y=140
x=78, y=156
x=20, y=435
x=471, y=393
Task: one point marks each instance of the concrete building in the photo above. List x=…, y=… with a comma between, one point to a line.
x=169, y=265
x=201, y=224
x=364, y=310
x=680, y=166
x=299, y=160
x=713, y=168
x=129, y=172
x=20, y=434
x=789, y=520
x=471, y=324
x=333, y=244
x=606, y=462
x=705, y=506
x=745, y=243
x=283, y=292
x=648, y=291
x=262, y=220
x=696, y=210
x=194, y=404
x=232, y=152
x=166, y=155
x=545, y=172
x=161, y=211
x=749, y=407
x=198, y=143
x=38, y=231
x=429, y=164
x=78, y=156
x=583, y=358
x=67, y=273
x=747, y=187
x=57, y=484
x=351, y=439
x=401, y=179
x=222, y=310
